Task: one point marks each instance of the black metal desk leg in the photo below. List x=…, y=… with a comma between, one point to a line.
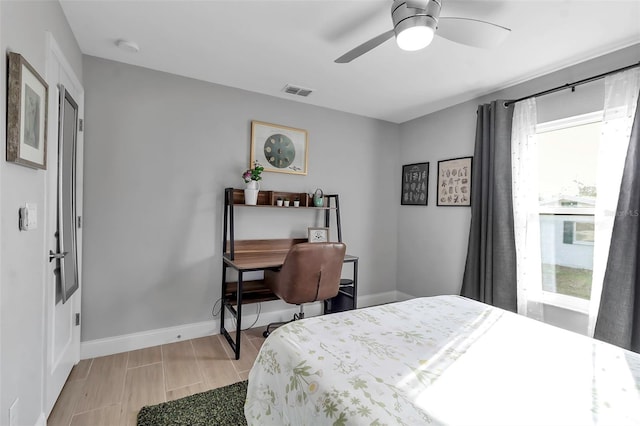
x=355, y=284
x=239, y=314
x=223, y=297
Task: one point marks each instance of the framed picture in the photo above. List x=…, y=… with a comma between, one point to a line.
x=278, y=148
x=26, y=114
x=318, y=235
x=415, y=184
x=454, y=182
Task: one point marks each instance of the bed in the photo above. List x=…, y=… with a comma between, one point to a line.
x=439, y=360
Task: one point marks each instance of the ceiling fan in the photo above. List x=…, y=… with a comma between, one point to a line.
x=415, y=23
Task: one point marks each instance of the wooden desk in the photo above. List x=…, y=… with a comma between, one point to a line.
x=257, y=255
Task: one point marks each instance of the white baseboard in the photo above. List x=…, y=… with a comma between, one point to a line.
x=146, y=339
x=42, y=420
x=401, y=297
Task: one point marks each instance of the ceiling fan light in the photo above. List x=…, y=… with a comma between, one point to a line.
x=414, y=38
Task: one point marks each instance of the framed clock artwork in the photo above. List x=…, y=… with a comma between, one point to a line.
x=278, y=148
x=318, y=235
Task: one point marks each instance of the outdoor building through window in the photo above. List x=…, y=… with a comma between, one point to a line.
x=567, y=158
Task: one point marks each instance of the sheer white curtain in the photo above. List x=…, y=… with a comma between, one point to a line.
x=524, y=162
x=621, y=97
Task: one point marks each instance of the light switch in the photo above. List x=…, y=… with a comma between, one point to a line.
x=29, y=217
x=32, y=210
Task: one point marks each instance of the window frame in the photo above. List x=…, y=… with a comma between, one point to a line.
x=557, y=299
x=575, y=232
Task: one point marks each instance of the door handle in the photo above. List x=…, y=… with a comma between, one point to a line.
x=53, y=255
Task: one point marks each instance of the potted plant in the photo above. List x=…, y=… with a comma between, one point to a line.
x=279, y=202
x=296, y=202
x=286, y=202
x=252, y=177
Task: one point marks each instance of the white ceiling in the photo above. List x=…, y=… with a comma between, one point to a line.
x=262, y=45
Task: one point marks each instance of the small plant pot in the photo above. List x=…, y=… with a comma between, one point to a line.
x=286, y=203
x=279, y=203
x=296, y=203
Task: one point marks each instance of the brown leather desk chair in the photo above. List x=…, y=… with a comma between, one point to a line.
x=310, y=272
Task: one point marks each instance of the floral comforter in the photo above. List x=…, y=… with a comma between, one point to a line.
x=439, y=360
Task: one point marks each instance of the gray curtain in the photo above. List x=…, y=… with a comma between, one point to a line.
x=619, y=315
x=490, y=270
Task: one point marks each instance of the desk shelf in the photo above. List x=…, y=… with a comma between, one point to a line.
x=252, y=292
x=269, y=198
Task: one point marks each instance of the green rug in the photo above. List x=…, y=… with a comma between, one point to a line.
x=221, y=407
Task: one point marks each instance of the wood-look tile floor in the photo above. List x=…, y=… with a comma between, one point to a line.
x=110, y=390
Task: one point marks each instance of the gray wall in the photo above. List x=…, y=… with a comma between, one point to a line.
x=22, y=29
x=432, y=241
x=160, y=149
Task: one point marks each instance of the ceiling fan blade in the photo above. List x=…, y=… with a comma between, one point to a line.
x=364, y=48
x=472, y=32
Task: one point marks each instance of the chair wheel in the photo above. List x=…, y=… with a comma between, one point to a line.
x=265, y=334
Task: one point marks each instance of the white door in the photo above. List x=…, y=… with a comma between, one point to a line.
x=63, y=223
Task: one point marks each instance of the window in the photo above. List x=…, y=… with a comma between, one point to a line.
x=583, y=233
x=568, y=155
x=578, y=232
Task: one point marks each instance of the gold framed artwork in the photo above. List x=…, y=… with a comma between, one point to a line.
x=318, y=235
x=26, y=114
x=454, y=182
x=279, y=149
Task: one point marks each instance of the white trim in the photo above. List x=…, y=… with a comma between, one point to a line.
x=380, y=299
x=54, y=49
x=146, y=339
x=401, y=297
x=42, y=420
x=1, y=289
x=59, y=70
x=571, y=303
x=567, y=302
x=574, y=121
x=3, y=114
x=567, y=211
x=134, y=341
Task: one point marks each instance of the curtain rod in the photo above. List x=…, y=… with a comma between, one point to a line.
x=572, y=85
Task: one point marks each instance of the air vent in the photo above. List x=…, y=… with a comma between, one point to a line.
x=295, y=90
